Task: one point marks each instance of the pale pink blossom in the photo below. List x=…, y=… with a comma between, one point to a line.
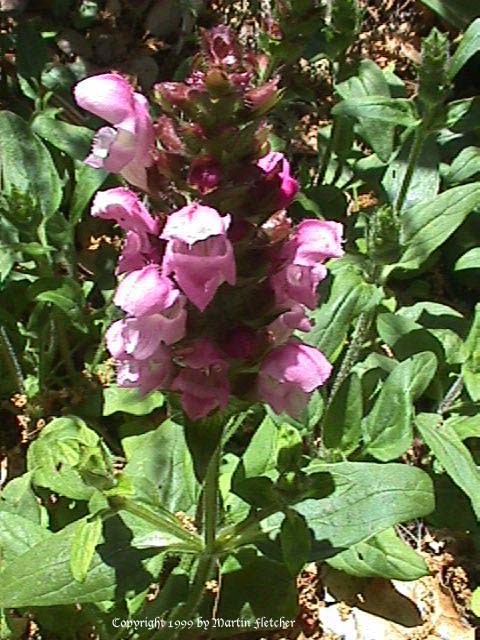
x=299, y=267
x=198, y=252
x=203, y=380
x=126, y=147
x=145, y=291
x=289, y=374
x=138, y=251
x=123, y=207
x=147, y=375
x=293, y=319
x=141, y=337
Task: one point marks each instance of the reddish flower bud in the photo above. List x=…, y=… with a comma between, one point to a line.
x=264, y=97
x=174, y=93
x=166, y=132
x=220, y=46
x=205, y=174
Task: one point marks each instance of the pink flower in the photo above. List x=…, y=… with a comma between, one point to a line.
x=198, y=252
x=315, y=241
x=279, y=183
x=125, y=147
x=137, y=252
x=301, y=261
x=156, y=372
x=289, y=374
x=141, y=337
x=203, y=381
x=145, y=291
x=124, y=207
x=282, y=327
x=295, y=283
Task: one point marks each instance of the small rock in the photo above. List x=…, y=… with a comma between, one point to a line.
x=73, y=43
x=12, y=5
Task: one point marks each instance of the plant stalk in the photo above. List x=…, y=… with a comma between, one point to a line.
x=11, y=360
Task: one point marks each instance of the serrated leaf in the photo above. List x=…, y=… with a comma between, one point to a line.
x=162, y=457
x=426, y=226
x=452, y=454
x=130, y=401
x=42, y=578
x=26, y=165
x=384, y=556
x=86, y=538
x=396, y=111
x=388, y=428
x=366, y=499
x=18, y=535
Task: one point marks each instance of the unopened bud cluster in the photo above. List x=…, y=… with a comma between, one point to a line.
x=214, y=288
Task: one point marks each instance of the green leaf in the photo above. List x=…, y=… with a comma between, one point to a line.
x=464, y=115
x=384, y=556
x=475, y=602
x=162, y=457
x=458, y=12
x=254, y=587
x=295, y=540
x=31, y=56
x=396, y=111
x=18, y=535
x=388, y=428
x=42, y=576
x=465, y=426
x=73, y=140
x=86, y=538
x=26, y=165
x=342, y=422
x=66, y=447
x=469, y=260
x=471, y=366
x=261, y=453
x=425, y=180
x=64, y=293
x=366, y=499
x=468, y=47
x=18, y=497
x=349, y=296
x=426, y=226
x=465, y=166
x=130, y=401
x=87, y=183
x=452, y=454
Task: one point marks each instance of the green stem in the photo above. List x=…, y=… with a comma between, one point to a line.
x=361, y=329
x=421, y=134
x=207, y=559
x=328, y=154
x=11, y=360
x=450, y=397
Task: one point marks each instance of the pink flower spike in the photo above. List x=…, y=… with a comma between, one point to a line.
x=145, y=292
x=198, y=252
x=203, y=382
x=124, y=207
x=289, y=374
